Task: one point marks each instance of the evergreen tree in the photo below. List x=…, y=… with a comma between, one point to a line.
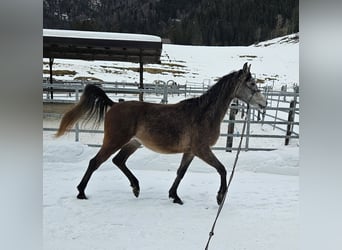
x=200, y=22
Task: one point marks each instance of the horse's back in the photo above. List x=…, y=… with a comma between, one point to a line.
x=160, y=127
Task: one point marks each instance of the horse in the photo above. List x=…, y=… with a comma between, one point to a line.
x=190, y=127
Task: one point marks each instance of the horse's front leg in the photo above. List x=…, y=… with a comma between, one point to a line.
x=207, y=155
x=186, y=160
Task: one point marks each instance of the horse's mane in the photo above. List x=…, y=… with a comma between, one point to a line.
x=217, y=92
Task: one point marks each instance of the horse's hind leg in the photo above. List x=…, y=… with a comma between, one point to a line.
x=120, y=160
x=94, y=164
x=186, y=160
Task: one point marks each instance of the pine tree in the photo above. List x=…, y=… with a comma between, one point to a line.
x=206, y=22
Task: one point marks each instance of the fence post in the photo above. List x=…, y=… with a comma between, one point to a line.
x=276, y=114
x=230, y=132
x=290, y=122
x=264, y=111
x=77, y=129
x=243, y=110
x=164, y=100
x=248, y=128
x=284, y=89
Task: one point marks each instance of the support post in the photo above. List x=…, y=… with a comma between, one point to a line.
x=50, y=65
x=77, y=129
x=141, y=82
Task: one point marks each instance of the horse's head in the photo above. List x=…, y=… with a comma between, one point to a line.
x=247, y=90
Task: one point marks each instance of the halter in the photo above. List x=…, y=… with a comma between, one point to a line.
x=254, y=91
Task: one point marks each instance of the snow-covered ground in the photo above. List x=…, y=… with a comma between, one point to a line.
x=261, y=211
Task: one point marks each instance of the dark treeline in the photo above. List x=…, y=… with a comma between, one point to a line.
x=196, y=22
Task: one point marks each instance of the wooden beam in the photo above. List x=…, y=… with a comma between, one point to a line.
x=141, y=82
x=50, y=65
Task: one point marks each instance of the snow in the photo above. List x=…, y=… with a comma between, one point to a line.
x=100, y=35
x=261, y=210
x=274, y=64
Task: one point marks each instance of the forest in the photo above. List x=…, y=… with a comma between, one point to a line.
x=188, y=22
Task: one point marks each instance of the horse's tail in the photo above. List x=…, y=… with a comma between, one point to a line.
x=93, y=104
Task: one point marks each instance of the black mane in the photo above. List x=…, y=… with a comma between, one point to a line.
x=218, y=92
x=215, y=101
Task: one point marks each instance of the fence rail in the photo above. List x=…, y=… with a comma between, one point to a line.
x=282, y=111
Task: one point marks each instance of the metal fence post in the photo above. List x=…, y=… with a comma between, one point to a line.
x=164, y=100
x=264, y=111
x=248, y=128
x=77, y=129
x=290, y=119
x=276, y=114
x=230, y=132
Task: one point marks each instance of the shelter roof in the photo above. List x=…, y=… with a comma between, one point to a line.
x=108, y=46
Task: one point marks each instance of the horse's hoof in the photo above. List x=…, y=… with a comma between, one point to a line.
x=218, y=201
x=82, y=196
x=176, y=199
x=136, y=191
x=219, y=198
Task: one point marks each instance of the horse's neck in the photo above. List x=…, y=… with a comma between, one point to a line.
x=216, y=106
x=220, y=108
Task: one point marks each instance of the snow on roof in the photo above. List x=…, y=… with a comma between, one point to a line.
x=100, y=35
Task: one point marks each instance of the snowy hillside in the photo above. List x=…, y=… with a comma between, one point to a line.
x=272, y=61
x=261, y=211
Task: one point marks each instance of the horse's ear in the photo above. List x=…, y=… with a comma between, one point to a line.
x=245, y=68
x=249, y=68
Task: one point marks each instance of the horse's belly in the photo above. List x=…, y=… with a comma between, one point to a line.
x=164, y=146
x=161, y=149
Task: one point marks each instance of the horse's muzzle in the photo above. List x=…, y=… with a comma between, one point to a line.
x=262, y=106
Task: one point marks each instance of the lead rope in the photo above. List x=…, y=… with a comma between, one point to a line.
x=211, y=233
